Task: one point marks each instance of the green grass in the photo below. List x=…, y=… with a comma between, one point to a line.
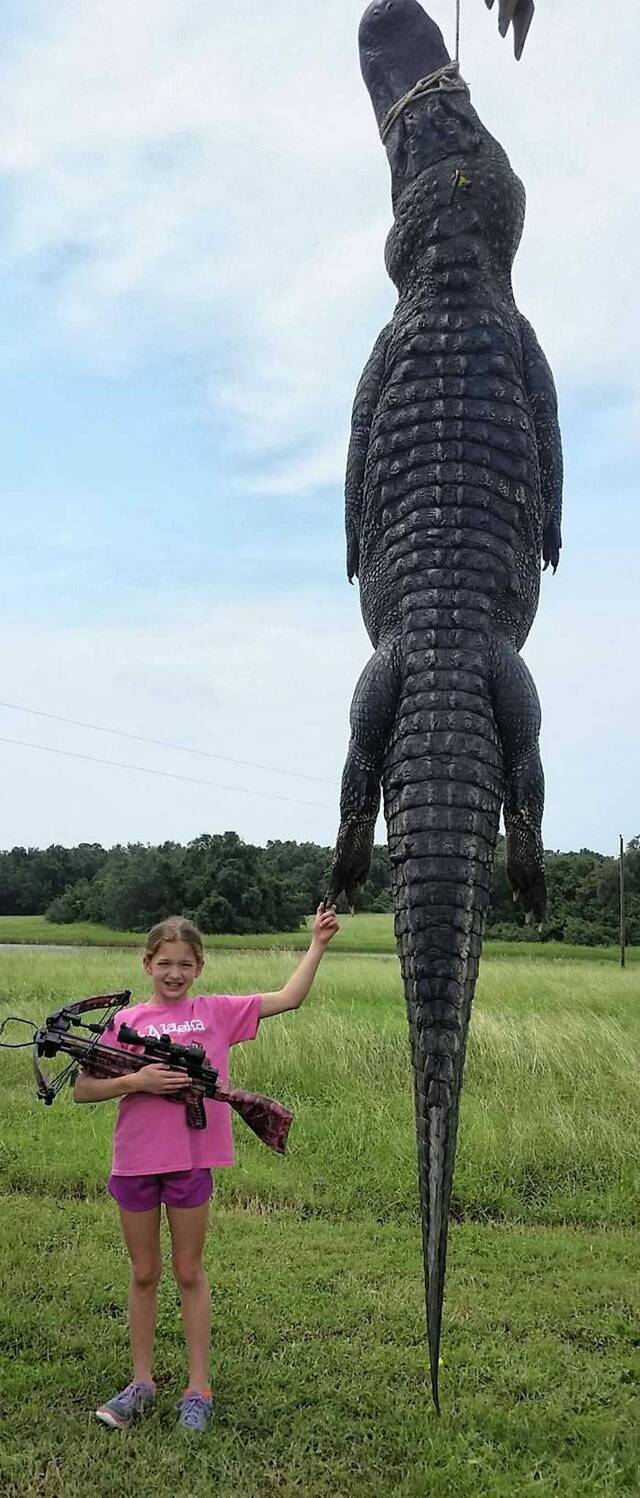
x=320, y=1374
x=315, y=1259
x=550, y=1127
x=360, y=933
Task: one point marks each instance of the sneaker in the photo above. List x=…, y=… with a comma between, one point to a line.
x=123, y=1409
x=195, y=1410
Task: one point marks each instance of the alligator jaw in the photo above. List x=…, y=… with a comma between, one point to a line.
x=401, y=46
x=399, y=43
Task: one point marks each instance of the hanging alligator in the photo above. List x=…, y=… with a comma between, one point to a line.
x=453, y=497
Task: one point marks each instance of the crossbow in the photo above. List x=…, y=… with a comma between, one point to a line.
x=59, y=1033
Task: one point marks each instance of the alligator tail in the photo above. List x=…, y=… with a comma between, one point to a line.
x=443, y=786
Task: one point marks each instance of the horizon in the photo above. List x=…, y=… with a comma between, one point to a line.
x=253, y=842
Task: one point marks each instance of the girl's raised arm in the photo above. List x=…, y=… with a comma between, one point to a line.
x=296, y=989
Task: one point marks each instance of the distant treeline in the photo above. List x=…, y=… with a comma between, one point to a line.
x=227, y=885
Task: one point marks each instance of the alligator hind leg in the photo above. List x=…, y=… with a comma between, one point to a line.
x=372, y=714
x=517, y=714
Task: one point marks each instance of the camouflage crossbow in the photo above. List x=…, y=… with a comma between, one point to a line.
x=268, y=1118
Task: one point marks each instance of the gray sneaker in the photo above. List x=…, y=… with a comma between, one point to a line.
x=124, y=1408
x=195, y=1411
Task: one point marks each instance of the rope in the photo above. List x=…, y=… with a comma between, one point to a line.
x=444, y=80
x=457, y=57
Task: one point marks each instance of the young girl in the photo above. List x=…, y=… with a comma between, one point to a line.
x=158, y=1158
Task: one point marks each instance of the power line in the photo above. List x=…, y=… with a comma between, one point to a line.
x=140, y=738
x=115, y=764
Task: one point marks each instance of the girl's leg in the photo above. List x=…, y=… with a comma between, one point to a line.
x=188, y=1227
x=141, y=1232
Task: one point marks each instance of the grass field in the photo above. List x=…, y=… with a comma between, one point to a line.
x=315, y=1259
x=360, y=933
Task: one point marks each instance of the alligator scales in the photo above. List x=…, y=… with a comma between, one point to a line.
x=453, y=498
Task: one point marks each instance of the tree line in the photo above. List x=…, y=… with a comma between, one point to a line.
x=229, y=886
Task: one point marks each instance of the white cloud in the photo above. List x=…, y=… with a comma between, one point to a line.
x=271, y=684
x=182, y=175
x=202, y=177
x=264, y=684
x=581, y=660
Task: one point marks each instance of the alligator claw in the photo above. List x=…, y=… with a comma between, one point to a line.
x=532, y=896
x=551, y=546
x=525, y=872
x=351, y=859
x=520, y=12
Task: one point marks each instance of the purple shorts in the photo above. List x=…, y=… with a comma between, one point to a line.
x=178, y=1188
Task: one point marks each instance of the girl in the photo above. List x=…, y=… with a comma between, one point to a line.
x=158, y=1158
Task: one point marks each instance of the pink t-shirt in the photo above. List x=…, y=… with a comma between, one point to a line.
x=152, y=1135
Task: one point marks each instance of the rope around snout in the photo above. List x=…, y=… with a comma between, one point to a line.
x=444, y=80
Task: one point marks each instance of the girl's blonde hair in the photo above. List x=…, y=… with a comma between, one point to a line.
x=175, y=928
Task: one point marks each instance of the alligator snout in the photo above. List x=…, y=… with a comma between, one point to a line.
x=390, y=13
x=399, y=43
x=400, y=21
x=385, y=12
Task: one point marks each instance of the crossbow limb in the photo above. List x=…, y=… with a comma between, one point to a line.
x=56, y=1035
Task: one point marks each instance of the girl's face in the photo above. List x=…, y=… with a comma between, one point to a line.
x=173, y=968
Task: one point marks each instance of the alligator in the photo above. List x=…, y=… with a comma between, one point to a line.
x=453, y=499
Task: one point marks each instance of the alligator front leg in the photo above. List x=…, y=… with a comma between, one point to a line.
x=372, y=714
x=517, y=713
x=541, y=390
x=364, y=407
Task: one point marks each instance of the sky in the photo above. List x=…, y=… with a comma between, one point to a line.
x=194, y=203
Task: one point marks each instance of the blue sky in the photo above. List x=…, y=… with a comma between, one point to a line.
x=194, y=207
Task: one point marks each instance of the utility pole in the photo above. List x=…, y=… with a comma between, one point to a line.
x=622, y=925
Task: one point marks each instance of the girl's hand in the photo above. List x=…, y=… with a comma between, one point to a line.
x=159, y=1078
x=325, y=924
x=295, y=991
